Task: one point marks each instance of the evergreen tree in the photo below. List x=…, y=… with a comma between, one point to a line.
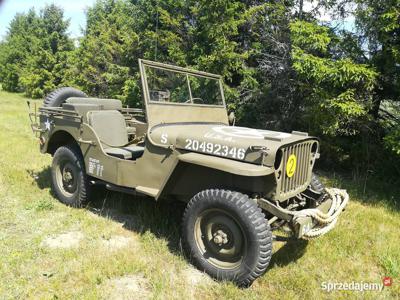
x=16, y=48
x=102, y=58
x=34, y=55
x=46, y=66
x=378, y=24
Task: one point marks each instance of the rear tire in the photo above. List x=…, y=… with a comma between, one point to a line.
x=225, y=234
x=69, y=179
x=57, y=97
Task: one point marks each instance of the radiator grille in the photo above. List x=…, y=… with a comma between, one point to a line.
x=289, y=186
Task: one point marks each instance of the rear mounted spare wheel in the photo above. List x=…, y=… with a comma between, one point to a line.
x=225, y=234
x=57, y=97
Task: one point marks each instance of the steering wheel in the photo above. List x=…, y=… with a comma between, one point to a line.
x=198, y=99
x=190, y=101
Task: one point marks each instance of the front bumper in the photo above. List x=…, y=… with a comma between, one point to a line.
x=310, y=223
x=302, y=225
x=314, y=222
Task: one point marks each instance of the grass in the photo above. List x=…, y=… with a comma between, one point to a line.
x=364, y=246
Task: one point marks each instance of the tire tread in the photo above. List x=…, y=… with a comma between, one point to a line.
x=253, y=215
x=83, y=194
x=60, y=95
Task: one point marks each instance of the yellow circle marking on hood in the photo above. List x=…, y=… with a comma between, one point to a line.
x=291, y=165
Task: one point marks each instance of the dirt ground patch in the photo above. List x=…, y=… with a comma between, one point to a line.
x=195, y=277
x=118, y=242
x=127, y=288
x=64, y=240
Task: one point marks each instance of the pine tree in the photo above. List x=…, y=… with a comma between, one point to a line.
x=46, y=66
x=34, y=54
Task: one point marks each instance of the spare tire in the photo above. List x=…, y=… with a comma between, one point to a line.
x=57, y=97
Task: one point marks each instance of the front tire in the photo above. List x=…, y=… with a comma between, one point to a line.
x=316, y=185
x=315, y=191
x=69, y=178
x=225, y=234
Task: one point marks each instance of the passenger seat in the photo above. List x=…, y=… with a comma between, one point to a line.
x=110, y=126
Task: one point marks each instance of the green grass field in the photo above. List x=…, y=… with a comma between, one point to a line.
x=127, y=247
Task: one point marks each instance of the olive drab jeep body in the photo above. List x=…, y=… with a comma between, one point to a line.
x=239, y=183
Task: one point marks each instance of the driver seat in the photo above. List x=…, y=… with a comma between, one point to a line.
x=110, y=126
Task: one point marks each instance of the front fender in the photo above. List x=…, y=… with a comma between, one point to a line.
x=225, y=165
x=194, y=172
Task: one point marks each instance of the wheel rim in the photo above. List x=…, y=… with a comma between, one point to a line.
x=66, y=177
x=220, y=238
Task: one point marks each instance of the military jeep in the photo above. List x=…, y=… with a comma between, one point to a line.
x=239, y=183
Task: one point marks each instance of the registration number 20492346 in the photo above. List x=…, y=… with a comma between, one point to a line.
x=216, y=149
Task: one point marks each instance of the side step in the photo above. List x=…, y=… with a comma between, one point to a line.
x=121, y=189
x=147, y=191
x=132, y=191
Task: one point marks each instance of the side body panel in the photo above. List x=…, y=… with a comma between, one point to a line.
x=162, y=172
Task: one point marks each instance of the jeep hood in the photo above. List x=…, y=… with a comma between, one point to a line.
x=238, y=143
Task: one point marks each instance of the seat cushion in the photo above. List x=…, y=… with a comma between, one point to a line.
x=110, y=126
x=81, y=108
x=130, y=152
x=106, y=104
x=136, y=151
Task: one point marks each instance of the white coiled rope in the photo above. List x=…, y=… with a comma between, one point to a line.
x=325, y=221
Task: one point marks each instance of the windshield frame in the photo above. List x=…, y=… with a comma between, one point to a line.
x=143, y=64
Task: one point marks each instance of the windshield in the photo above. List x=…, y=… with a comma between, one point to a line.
x=179, y=87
